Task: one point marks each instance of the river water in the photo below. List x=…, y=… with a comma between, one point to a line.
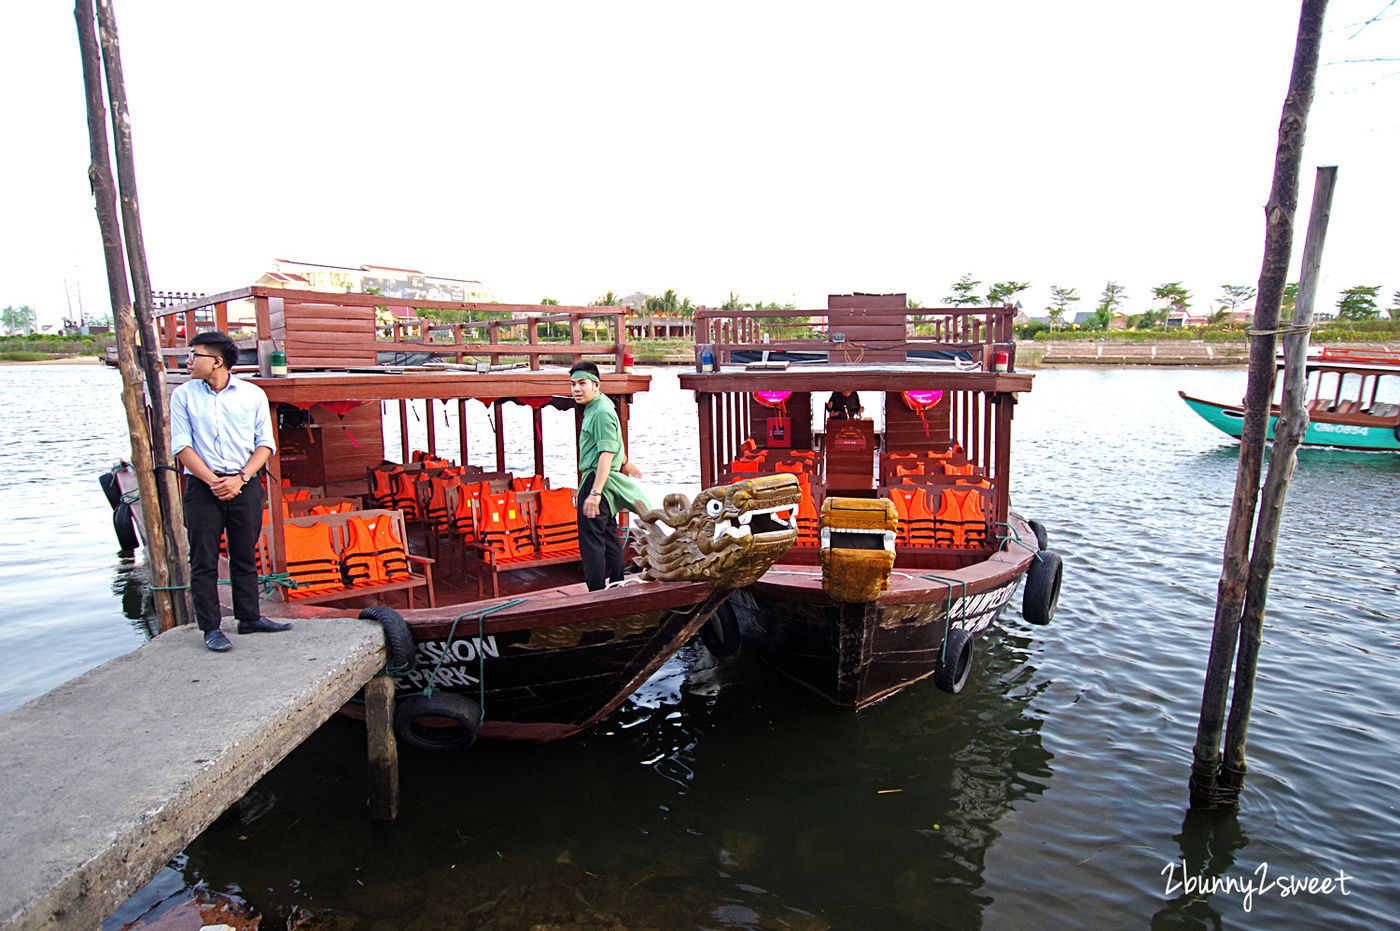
x=1049, y=794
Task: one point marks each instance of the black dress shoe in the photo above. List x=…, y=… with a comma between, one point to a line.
x=262, y=626
x=216, y=641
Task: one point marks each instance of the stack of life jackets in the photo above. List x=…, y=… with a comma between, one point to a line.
x=960, y=522
x=372, y=555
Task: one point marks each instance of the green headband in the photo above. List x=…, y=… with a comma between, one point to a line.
x=589, y=375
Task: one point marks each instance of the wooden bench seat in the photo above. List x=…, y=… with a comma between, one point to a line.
x=492, y=562
x=339, y=524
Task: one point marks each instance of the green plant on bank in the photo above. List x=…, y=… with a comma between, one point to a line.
x=25, y=357
x=75, y=345
x=1335, y=331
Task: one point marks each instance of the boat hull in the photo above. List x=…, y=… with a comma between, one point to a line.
x=856, y=654
x=549, y=666
x=1322, y=430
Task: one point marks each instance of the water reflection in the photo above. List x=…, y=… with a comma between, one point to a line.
x=721, y=796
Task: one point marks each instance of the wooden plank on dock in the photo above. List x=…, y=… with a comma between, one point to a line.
x=108, y=776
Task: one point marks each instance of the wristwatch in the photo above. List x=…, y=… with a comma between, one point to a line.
x=595, y=494
x=242, y=476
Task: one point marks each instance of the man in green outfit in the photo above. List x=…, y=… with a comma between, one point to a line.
x=607, y=485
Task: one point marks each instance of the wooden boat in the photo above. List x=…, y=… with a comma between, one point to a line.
x=1354, y=401
x=543, y=657
x=823, y=615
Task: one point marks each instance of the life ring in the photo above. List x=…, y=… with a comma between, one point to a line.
x=398, y=639
x=1041, y=536
x=954, y=666
x=720, y=634
x=125, y=527
x=441, y=722
x=1042, y=588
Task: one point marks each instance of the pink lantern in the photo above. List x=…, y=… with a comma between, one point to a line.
x=772, y=398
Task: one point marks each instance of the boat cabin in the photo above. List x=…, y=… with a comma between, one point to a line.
x=344, y=370
x=938, y=389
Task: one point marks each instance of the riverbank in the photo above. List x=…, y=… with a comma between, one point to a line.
x=61, y=360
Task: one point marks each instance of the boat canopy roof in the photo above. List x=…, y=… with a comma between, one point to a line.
x=303, y=389
x=852, y=377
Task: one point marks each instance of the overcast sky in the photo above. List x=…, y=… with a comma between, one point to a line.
x=782, y=151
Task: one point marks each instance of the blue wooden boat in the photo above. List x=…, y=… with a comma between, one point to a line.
x=1354, y=402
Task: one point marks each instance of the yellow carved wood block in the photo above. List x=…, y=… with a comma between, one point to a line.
x=857, y=539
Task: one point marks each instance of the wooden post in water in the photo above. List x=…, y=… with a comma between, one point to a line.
x=163, y=551
x=383, y=749
x=1288, y=433
x=171, y=511
x=1206, y=789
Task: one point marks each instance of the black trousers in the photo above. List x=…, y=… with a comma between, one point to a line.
x=598, y=542
x=240, y=520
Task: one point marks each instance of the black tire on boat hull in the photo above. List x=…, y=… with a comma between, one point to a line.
x=720, y=633
x=1042, y=588
x=441, y=723
x=1042, y=538
x=125, y=527
x=110, y=488
x=397, y=638
x=955, y=667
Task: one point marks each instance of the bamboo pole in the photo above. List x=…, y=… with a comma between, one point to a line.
x=171, y=510
x=1206, y=790
x=1288, y=433
x=167, y=598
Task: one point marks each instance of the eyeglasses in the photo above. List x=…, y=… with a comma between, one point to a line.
x=201, y=355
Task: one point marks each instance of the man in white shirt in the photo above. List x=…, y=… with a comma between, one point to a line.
x=221, y=432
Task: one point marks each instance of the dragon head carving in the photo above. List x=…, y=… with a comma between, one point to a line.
x=729, y=535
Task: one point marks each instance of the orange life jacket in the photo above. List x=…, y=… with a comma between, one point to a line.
x=915, y=520
x=808, y=520
x=558, y=521
x=437, y=511
x=527, y=483
x=343, y=507
x=406, y=494
x=502, y=525
x=381, y=494
x=373, y=552
x=912, y=468
x=961, y=520
x=311, y=560
x=966, y=468
x=464, y=518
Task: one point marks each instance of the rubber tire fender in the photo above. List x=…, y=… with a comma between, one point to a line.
x=1042, y=538
x=463, y=713
x=398, y=639
x=1042, y=594
x=720, y=634
x=110, y=488
x=952, y=674
x=125, y=526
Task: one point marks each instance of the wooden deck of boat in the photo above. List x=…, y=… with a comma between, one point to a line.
x=108, y=776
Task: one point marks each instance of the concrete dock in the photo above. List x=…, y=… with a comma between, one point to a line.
x=108, y=776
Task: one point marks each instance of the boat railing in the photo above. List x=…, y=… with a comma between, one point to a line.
x=321, y=329
x=983, y=332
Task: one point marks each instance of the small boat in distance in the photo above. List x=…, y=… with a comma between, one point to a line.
x=908, y=550
x=1353, y=401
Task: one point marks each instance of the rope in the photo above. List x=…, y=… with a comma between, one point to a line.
x=947, y=608
x=481, y=616
x=267, y=584
x=1015, y=537
x=169, y=588
x=1284, y=330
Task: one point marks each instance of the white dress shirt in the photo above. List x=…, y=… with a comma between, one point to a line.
x=223, y=427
